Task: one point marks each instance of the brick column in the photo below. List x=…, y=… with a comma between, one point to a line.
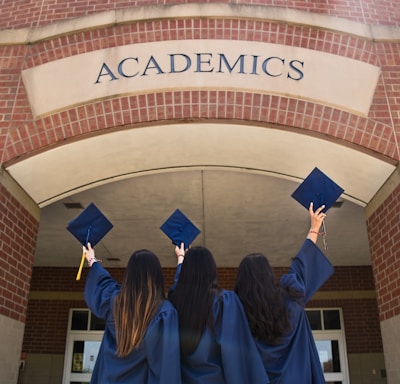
x=19, y=219
x=383, y=224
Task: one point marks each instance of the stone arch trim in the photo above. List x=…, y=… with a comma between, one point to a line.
x=376, y=133
x=195, y=106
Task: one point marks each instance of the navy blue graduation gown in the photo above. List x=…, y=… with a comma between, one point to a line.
x=295, y=359
x=227, y=355
x=155, y=361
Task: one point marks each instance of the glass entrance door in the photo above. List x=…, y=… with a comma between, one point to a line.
x=329, y=336
x=332, y=359
x=85, y=333
x=82, y=355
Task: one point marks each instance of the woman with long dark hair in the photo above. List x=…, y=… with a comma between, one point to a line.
x=275, y=312
x=216, y=343
x=141, y=339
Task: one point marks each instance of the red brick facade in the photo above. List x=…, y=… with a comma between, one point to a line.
x=384, y=237
x=360, y=315
x=32, y=14
x=376, y=133
x=18, y=230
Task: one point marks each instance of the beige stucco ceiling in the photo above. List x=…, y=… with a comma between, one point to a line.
x=233, y=181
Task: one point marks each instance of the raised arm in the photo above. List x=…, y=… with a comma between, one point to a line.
x=317, y=219
x=180, y=256
x=310, y=268
x=180, y=253
x=89, y=254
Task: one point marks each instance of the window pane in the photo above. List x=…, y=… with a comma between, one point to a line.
x=314, y=317
x=331, y=319
x=79, y=320
x=328, y=352
x=90, y=355
x=97, y=324
x=335, y=355
x=77, y=356
x=84, y=356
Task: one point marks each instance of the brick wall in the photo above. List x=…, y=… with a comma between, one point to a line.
x=63, y=279
x=384, y=237
x=18, y=230
x=31, y=13
x=47, y=334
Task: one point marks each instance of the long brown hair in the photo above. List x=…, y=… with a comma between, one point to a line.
x=141, y=293
x=263, y=299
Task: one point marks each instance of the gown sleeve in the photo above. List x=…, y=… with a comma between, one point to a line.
x=176, y=278
x=100, y=289
x=309, y=270
x=240, y=358
x=162, y=348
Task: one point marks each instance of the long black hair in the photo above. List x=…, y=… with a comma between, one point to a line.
x=194, y=296
x=263, y=299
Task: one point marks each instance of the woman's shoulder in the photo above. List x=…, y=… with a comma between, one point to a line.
x=165, y=320
x=166, y=315
x=227, y=297
x=165, y=309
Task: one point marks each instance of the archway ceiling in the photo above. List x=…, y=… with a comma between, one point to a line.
x=233, y=181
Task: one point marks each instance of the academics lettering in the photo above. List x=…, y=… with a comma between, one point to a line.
x=204, y=62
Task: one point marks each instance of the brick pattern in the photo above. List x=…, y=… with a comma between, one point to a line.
x=360, y=316
x=352, y=278
x=21, y=135
x=18, y=230
x=49, y=279
x=47, y=334
x=383, y=228
x=31, y=14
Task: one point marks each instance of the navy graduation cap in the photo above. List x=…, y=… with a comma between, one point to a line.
x=319, y=189
x=180, y=229
x=89, y=227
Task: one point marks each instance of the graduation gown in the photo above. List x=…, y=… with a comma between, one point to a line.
x=155, y=361
x=295, y=359
x=227, y=355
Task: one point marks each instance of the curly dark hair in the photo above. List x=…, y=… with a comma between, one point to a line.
x=264, y=300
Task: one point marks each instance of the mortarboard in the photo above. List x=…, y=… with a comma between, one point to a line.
x=180, y=229
x=89, y=227
x=319, y=189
